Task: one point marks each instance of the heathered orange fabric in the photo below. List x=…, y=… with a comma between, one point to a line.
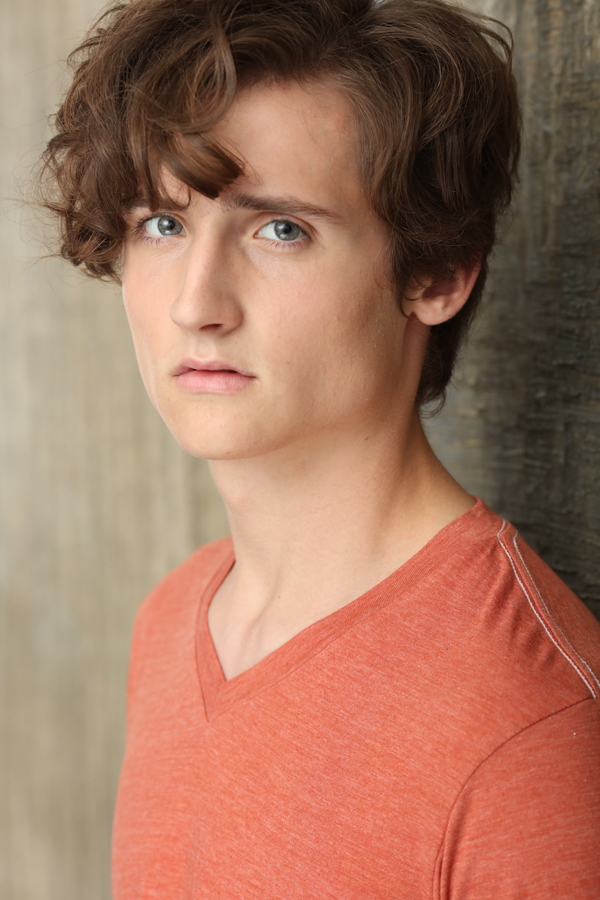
x=438, y=737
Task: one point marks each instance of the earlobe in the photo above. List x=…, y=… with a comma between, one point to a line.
x=437, y=300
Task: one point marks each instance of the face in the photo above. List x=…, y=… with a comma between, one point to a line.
x=263, y=325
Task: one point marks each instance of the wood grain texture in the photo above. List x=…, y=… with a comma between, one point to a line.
x=522, y=427
x=98, y=502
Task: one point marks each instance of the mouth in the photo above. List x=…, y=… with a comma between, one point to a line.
x=210, y=376
x=208, y=365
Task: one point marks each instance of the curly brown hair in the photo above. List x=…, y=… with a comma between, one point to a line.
x=435, y=110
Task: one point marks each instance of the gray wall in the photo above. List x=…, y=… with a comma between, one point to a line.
x=522, y=427
x=98, y=502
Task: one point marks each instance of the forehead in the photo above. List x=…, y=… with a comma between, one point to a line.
x=296, y=140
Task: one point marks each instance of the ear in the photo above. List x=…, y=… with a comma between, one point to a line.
x=437, y=300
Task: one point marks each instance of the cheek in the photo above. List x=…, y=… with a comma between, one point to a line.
x=134, y=288
x=146, y=322
x=146, y=289
x=340, y=335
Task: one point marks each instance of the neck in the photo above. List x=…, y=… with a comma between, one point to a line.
x=332, y=519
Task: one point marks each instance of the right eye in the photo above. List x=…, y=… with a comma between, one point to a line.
x=163, y=226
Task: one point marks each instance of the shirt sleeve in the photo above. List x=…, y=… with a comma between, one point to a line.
x=526, y=826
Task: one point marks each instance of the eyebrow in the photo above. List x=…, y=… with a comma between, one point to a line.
x=287, y=205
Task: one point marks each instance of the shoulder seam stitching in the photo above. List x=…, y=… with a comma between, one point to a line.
x=540, y=619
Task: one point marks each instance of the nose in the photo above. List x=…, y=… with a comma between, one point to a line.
x=207, y=297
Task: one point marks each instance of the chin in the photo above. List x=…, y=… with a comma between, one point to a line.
x=205, y=445
x=211, y=450
x=217, y=443
x=203, y=431
x=215, y=433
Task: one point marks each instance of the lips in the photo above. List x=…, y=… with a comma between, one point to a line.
x=210, y=376
x=208, y=365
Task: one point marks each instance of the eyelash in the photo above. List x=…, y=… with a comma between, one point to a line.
x=140, y=232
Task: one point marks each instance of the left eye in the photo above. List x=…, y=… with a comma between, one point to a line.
x=283, y=230
x=162, y=226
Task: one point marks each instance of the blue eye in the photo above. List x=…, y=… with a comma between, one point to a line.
x=284, y=230
x=162, y=226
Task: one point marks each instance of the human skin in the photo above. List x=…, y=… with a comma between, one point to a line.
x=319, y=454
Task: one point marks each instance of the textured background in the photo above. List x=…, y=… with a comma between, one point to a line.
x=522, y=428
x=98, y=501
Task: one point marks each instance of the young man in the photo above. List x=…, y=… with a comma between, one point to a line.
x=374, y=689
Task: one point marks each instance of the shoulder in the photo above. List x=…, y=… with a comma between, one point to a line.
x=511, y=615
x=527, y=822
x=194, y=573
x=165, y=621
x=566, y=622
x=535, y=802
x=523, y=669
x=185, y=583
x=492, y=639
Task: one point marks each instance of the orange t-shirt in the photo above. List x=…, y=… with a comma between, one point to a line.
x=438, y=737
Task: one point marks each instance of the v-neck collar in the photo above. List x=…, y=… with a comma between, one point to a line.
x=220, y=695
